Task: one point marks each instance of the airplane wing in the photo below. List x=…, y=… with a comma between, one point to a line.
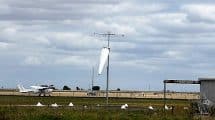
x=39, y=87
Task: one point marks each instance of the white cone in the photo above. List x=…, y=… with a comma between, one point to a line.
x=151, y=108
x=70, y=104
x=39, y=104
x=166, y=107
x=103, y=59
x=54, y=105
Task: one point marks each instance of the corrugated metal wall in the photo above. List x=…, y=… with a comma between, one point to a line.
x=207, y=92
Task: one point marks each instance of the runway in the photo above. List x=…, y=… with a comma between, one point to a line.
x=114, y=94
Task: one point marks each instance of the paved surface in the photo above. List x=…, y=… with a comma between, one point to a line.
x=120, y=94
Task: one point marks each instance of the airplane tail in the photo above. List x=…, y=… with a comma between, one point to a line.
x=21, y=89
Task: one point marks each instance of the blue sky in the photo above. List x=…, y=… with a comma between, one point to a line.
x=52, y=42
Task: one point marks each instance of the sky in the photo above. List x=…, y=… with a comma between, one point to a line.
x=53, y=42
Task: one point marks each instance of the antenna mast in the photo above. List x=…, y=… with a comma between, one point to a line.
x=108, y=35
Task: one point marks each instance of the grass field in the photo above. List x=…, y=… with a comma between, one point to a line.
x=96, y=110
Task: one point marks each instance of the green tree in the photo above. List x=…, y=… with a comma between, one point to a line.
x=66, y=88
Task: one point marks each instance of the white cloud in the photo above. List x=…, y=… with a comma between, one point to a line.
x=9, y=31
x=3, y=45
x=114, y=27
x=169, y=18
x=158, y=36
x=174, y=54
x=124, y=46
x=32, y=60
x=73, y=40
x=42, y=40
x=4, y=9
x=73, y=60
x=147, y=65
x=200, y=12
x=132, y=7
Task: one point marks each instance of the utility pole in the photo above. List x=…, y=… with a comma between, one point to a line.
x=92, y=78
x=108, y=35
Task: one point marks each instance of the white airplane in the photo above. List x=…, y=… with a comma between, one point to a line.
x=42, y=89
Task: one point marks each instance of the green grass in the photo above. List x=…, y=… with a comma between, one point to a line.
x=137, y=109
x=47, y=113
x=29, y=100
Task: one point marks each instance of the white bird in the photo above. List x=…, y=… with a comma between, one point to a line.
x=85, y=106
x=54, y=105
x=126, y=105
x=123, y=107
x=151, y=108
x=166, y=107
x=39, y=104
x=70, y=104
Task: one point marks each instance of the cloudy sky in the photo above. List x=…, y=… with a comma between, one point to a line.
x=52, y=42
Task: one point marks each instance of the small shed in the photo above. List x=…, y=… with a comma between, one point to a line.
x=207, y=91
